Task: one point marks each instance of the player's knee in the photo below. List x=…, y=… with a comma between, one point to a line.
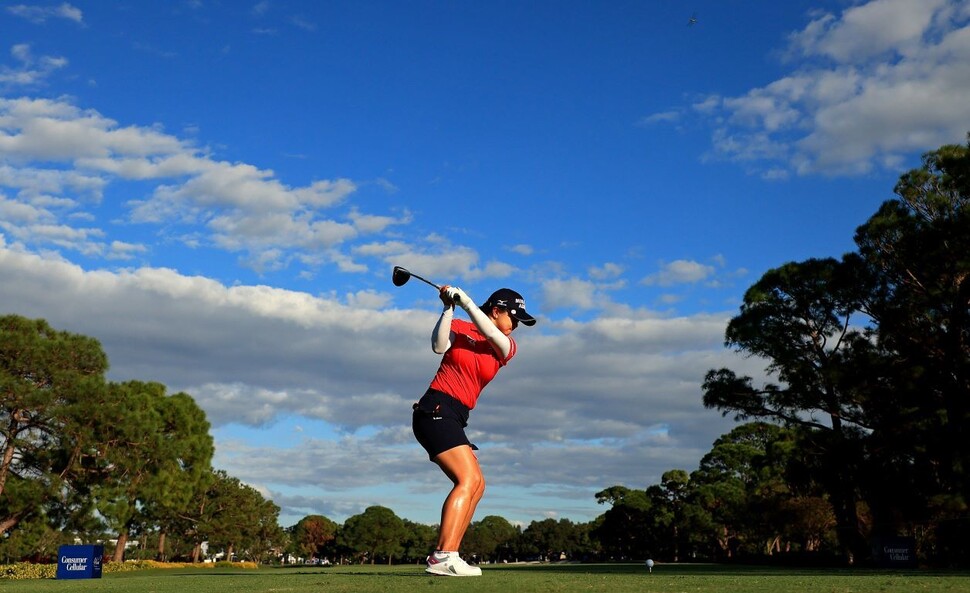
x=474, y=482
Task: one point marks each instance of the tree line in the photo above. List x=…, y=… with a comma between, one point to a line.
x=858, y=430
x=84, y=457
x=868, y=365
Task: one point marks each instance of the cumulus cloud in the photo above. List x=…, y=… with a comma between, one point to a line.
x=58, y=160
x=680, y=271
x=570, y=293
x=522, y=249
x=30, y=70
x=606, y=271
x=41, y=14
x=868, y=30
x=866, y=87
x=436, y=258
x=586, y=404
x=583, y=406
x=57, y=153
x=661, y=117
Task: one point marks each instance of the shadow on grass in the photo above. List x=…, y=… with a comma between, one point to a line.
x=340, y=572
x=212, y=573
x=618, y=569
x=369, y=570
x=717, y=570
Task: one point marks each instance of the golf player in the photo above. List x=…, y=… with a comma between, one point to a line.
x=473, y=354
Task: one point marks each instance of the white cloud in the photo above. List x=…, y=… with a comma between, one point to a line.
x=14, y=214
x=42, y=185
x=661, y=117
x=881, y=80
x=435, y=258
x=121, y=250
x=606, y=271
x=302, y=23
x=680, y=271
x=49, y=130
x=369, y=223
x=619, y=397
x=570, y=293
x=40, y=14
x=54, y=150
x=31, y=71
x=260, y=8
x=868, y=30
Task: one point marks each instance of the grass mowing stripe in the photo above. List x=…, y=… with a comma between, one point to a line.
x=539, y=578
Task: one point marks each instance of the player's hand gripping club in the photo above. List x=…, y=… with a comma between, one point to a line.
x=452, y=295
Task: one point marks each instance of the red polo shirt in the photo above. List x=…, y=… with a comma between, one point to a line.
x=470, y=363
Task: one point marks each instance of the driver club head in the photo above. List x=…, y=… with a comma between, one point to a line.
x=400, y=276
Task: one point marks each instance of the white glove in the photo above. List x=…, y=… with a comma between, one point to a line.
x=459, y=297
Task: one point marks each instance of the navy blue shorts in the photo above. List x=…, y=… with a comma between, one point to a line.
x=439, y=422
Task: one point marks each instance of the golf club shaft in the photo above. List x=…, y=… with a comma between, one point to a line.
x=425, y=280
x=402, y=275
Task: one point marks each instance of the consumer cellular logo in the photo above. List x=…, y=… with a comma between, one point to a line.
x=897, y=553
x=79, y=563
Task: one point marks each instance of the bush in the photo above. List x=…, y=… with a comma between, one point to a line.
x=27, y=570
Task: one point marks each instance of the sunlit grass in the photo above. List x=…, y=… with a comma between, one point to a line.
x=555, y=578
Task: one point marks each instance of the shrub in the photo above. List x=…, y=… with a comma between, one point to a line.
x=27, y=570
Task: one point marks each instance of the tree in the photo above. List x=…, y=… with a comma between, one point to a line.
x=916, y=252
x=47, y=378
x=313, y=534
x=420, y=540
x=670, y=500
x=154, y=452
x=871, y=355
x=492, y=538
x=179, y=517
x=722, y=483
x=236, y=519
x=552, y=539
x=187, y=468
x=33, y=538
x=798, y=318
x=377, y=532
x=188, y=522
x=741, y=484
x=809, y=519
x=624, y=528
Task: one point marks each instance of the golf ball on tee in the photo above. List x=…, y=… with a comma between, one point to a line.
x=649, y=563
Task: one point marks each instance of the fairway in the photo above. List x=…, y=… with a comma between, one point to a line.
x=558, y=578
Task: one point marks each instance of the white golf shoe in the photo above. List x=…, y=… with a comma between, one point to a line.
x=451, y=565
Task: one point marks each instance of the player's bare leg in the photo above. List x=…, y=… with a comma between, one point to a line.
x=461, y=466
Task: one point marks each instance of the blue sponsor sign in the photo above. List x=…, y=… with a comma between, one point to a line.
x=79, y=562
x=895, y=552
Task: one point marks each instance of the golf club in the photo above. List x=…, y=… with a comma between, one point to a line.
x=400, y=277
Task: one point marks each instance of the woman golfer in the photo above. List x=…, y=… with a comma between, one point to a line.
x=473, y=354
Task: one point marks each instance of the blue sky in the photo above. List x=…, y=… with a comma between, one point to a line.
x=218, y=191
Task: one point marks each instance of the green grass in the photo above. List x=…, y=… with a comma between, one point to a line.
x=564, y=578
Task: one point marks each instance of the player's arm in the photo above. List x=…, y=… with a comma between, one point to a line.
x=499, y=341
x=441, y=336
